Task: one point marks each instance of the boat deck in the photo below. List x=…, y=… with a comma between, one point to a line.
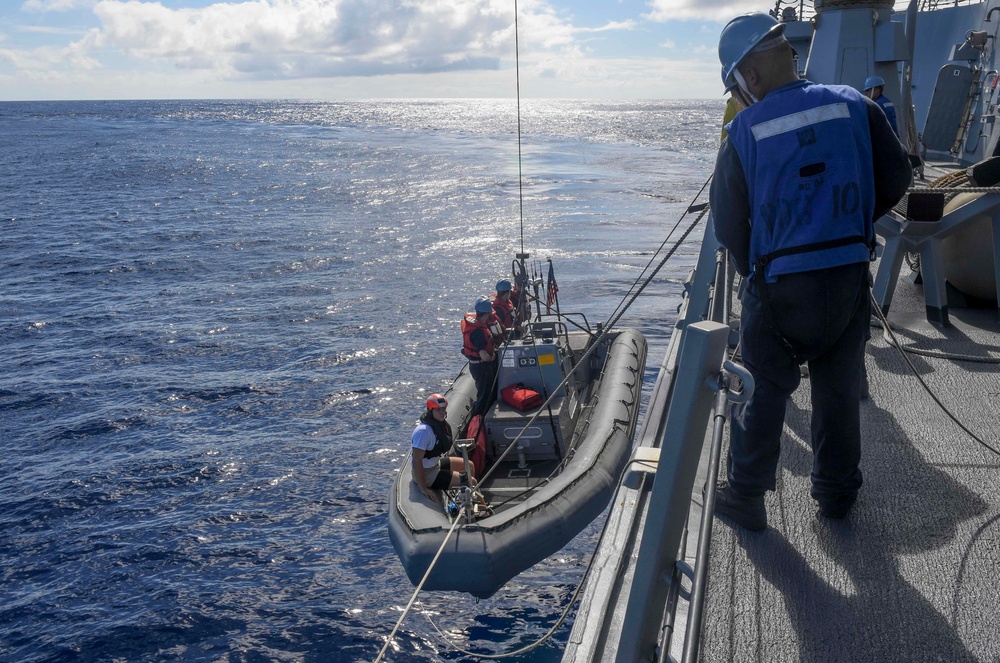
x=913, y=573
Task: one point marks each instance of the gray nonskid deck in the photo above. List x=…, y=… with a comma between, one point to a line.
x=913, y=573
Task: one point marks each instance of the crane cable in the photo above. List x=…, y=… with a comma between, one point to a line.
x=517, y=78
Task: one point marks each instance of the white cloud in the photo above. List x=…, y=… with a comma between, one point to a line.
x=333, y=49
x=613, y=25
x=54, y=5
x=711, y=10
x=328, y=38
x=50, y=62
x=49, y=30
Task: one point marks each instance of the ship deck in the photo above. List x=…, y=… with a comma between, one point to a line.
x=912, y=573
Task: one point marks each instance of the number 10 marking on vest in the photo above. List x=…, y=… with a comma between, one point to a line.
x=846, y=200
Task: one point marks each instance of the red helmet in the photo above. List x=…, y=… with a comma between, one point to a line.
x=434, y=401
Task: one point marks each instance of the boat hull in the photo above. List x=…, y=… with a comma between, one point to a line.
x=481, y=557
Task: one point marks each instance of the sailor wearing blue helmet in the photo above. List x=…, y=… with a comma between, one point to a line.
x=805, y=171
x=873, y=90
x=477, y=347
x=504, y=307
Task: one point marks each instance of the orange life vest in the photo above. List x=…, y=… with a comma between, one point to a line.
x=504, y=311
x=469, y=325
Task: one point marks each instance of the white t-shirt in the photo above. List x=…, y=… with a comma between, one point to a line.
x=424, y=438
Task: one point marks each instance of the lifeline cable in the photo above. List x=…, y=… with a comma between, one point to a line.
x=902, y=353
x=677, y=244
x=416, y=592
x=616, y=316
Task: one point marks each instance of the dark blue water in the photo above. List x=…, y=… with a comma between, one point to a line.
x=218, y=323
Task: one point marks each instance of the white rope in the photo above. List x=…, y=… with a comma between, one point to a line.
x=416, y=592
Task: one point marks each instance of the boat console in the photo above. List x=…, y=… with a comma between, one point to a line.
x=540, y=361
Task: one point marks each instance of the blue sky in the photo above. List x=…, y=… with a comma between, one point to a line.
x=350, y=49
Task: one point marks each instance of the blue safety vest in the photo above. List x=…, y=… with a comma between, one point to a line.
x=890, y=112
x=806, y=152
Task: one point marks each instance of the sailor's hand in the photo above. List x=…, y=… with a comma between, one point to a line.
x=430, y=494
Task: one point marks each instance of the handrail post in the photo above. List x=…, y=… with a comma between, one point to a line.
x=702, y=353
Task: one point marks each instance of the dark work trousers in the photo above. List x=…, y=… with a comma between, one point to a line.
x=484, y=373
x=825, y=313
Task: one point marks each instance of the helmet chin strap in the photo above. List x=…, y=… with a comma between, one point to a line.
x=743, y=85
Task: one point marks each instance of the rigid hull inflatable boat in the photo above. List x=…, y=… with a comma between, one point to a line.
x=550, y=470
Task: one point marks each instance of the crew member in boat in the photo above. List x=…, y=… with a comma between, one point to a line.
x=873, y=90
x=478, y=348
x=433, y=468
x=503, y=308
x=797, y=185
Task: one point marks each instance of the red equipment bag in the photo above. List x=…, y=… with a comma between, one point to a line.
x=520, y=397
x=477, y=431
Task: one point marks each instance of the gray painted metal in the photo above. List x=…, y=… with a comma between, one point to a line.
x=701, y=289
x=949, y=107
x=925, y=238
x=701, y=356
x=482, y=556
x=843, y=49
x=935, y=35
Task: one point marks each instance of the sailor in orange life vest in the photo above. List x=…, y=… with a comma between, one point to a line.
x=503, y=307
x=433, y=468
x=478, y=348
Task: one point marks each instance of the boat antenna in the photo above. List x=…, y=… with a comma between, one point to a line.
x=517, y=79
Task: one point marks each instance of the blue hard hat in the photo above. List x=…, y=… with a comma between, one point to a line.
x=873, y=81
x=730, y=84
x=740, y=36
x=503, y=285
x=483, y=305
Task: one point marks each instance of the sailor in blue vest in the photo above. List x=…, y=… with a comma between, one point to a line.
x=873, y=90
x=805, y=171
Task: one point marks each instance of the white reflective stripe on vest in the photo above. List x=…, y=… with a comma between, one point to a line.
x=800, y=120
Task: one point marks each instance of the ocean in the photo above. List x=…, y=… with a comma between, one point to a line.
x=219, y=321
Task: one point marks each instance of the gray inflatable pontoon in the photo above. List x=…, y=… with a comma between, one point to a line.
x=559, y=475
